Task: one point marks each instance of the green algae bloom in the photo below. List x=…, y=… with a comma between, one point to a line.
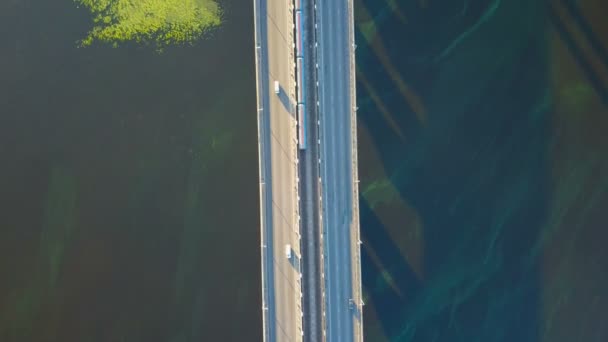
x=161, y=22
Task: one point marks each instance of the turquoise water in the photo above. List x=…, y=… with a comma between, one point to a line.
x=484, y=156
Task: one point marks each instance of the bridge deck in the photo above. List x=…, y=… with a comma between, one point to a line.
x=337, y=149
x=282, y=311
x=338, y=139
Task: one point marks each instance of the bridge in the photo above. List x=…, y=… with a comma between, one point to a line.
x=310, y=242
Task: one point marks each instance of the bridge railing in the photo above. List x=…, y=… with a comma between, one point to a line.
x=358, y=296
x=294, y=150
x=322, y=234
x=262, y=168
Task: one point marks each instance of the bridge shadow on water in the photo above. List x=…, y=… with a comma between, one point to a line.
x=476, y=172
x=388, y=303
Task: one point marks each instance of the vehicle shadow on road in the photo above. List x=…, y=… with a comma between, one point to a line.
x=286, y=102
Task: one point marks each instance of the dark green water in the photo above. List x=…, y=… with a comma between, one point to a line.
x=128, y=183
x=128, y=179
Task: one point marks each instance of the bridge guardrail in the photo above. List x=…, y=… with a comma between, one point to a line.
x=355, y=171
x=294, y=150
x=262, y=168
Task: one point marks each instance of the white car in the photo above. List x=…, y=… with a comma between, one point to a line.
x=288, y=251
x=277, y=87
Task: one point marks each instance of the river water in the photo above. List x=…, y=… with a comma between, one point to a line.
x=128, y=180
x=483, y=163
x=128, y=186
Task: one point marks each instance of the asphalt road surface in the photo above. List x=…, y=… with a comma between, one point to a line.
x=278, y=181
x=334, y=53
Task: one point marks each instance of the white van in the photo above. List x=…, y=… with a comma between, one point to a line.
x=277, y=87
x=288, y=251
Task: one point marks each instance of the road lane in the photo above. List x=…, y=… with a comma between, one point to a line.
x=334, y=53
x=278, y=172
